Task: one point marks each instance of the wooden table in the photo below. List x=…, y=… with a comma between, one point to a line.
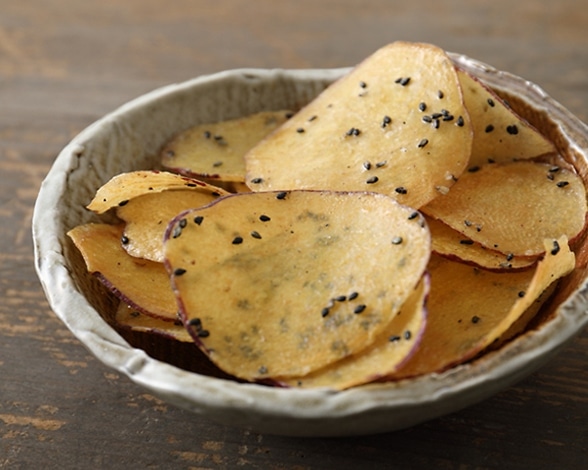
x=64, y=63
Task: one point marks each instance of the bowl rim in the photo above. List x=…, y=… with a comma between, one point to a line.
x=214, y=396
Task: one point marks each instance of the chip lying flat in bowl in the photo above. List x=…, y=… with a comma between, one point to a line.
x=325, y=272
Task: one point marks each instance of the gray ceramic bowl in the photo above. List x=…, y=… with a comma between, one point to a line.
x=130, y=139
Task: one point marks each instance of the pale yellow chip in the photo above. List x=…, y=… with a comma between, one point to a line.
x=379, y=360
x=450, y=243
x=396, y=124
x=513, y=207
x=216, y=150
x=147, y=217
x=129, y=317
x=500, y=135
x=470, y=308
x=120, y=189
x=141, y=283
x=284, y=283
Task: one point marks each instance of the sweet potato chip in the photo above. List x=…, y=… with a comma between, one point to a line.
x=500, y=135
x=147, y=217
x=131, y=318
x=284, y=283
x=120, y=189
x=513, y=207
x=388, y=352
x=141, y=283
x=470, y=308
x=396, y=124
x=216, y=150
x=450, y=243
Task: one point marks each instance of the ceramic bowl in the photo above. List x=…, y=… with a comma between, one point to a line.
x=130, y=138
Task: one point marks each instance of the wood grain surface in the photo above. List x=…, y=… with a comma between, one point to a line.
x=65, y=63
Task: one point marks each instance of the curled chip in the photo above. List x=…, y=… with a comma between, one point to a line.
x=119, y=190
x=396, y=124
x=513, y=207
x=470, y=309
x=279, y=284
x=215, y=150
x=131, y=318
x=500, y=135
x=383, y=357
x=452, y=244
x=139, y=282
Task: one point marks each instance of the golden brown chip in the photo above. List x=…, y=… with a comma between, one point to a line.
x=141, y=283
x=470, y=308
x=147, y=217
x=500, y=135
x=379, y=360
x=396, y=124
x=120, y=189
x=450, y=243
x=284, y=283
x=513, y=207
x=216, y=150
x=131, y=318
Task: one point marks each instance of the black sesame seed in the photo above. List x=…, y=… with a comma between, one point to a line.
x=475, y=319
x=401, y=190
x=396, y=240
x=264, y=218
x=353, y=131
x=281, y=195
x=491, y=102
x=182, y=223
x=256, y=234
x=203, y=334
x=340, y=298
x=124, y=240
x=448, y=118
x=312, y=118
x=561, y=184
x=179, y=271
x=207, y=134
x=177, y=231
x=196, y=323
x=427, y=119
x=556, y=247
x=440, y=94
x=386, y=120
x=217, y=164
x=402, y=81
x=554, y=169
x=512, y=130
x=381, y=164
x=422, y=106
x=123, y=203
x=353, y=296
x=367, y=165
x=324, y=312
x=394, y=338
x=363, y=84
x=263, y=370
x=413, y=215
x=509, y=257
x=466, y=242
x=435, y=124
x=237, y=240
x=257, y=180
x=521, y=294
x=359, y=309
x=300, y=130
x=372, y=180
x=407, y=335
x=423, y=143
x=437, y=115
x=489, y=128
x=459, y=122
x=198, y=219
x=473, y=169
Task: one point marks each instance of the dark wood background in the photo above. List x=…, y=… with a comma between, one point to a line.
x=65, y=63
